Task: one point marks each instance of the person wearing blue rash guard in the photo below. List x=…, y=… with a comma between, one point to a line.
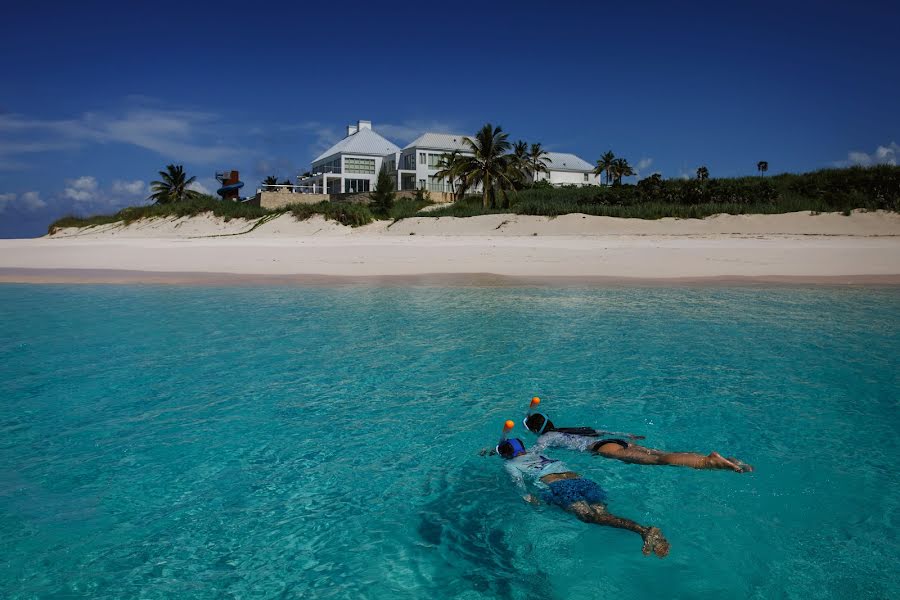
x=559, y=486
x=612, y=445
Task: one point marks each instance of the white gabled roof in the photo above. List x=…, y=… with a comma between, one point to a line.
x=563, y=161
x=364, y=141
x=440, y=141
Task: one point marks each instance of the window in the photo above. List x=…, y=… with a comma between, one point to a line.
x=586, y=178
x=332, y=166
x=352, y=186
x=360, y=165
x=434, y=161
x=422, y=158
x=422, y=182
x=408, y=162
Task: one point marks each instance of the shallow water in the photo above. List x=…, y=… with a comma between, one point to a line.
x=161, y=442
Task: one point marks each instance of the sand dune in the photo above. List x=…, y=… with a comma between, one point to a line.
x=862, y=247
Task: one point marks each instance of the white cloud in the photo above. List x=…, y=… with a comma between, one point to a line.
x=410, y=130
x=129, y=188
x=642, y=165
x=82, y=189
x=170, y=133
x=883, y=155
x=206, y=186
x=32, y=201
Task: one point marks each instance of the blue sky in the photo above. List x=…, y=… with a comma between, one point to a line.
x=97, y=97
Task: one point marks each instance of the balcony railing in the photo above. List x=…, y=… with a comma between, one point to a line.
x=292, y=189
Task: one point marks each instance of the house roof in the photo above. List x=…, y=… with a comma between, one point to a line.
x=364, y=141
x=440, y=141
x=563, y=161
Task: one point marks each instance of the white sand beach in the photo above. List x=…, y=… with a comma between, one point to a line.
x=798, y=247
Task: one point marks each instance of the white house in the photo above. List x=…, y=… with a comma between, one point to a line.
x=352, y=164
x=567, y=169
x=420, y=160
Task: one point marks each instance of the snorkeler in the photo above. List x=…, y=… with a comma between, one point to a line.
x=585, y=439
x=564, y=488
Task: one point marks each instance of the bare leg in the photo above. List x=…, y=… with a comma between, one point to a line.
x=650, y=456
x=597, y=514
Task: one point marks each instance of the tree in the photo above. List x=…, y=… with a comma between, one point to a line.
x=604, y=164
x=762, y=166
x=538, y=162
x=702, y=173
x=620, y=168
x=173, y=186
x=383, y=196
x=450, y=167
x=270, y=181
x=288, y=182
x=489, y=164
x=518, y=164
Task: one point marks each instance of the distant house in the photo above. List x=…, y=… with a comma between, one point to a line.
x=352, y=164
x=567, y=169
x=420, y=160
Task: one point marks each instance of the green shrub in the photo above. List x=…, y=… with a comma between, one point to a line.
x=353, y=215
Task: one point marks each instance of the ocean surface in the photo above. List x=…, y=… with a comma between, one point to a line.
x=195, y=442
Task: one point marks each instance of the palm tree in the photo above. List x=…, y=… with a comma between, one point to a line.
x=762, y=166
x=538, y=162
x=702, y=173
x=604, y=164
x=173, y=186
x=620, y=168
x=518, y=163
x=450, y=168
x=490, y=163
x=270, y=180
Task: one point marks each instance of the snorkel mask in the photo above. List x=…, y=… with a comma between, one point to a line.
x=518, y=447
x=535, y=402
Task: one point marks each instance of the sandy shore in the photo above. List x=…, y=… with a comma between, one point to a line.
x=863, y=248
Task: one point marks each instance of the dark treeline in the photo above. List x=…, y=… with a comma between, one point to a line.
x=828, y=190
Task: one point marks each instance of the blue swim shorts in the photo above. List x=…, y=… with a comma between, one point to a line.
x=567, y=492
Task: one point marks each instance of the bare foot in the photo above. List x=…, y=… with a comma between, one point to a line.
x=717, y=461
x=744, y=467
x=655, y=542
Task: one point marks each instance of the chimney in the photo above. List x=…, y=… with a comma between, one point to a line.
x=363, y=125
x=351, y=129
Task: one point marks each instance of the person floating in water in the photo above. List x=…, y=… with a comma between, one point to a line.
x=586, y=439
x=562, y=487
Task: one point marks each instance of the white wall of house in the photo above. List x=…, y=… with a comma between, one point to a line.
x=577, y=178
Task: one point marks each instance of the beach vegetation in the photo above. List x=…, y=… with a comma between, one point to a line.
x=346, y=213
x=172, y=186
x=762, y=166
x=269, y=181
x=702, y=173
x=383, y=196
x=827, y=190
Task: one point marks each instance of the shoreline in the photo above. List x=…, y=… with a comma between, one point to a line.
x=208, y=279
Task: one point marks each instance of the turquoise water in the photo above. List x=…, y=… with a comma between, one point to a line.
x=161, y=442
